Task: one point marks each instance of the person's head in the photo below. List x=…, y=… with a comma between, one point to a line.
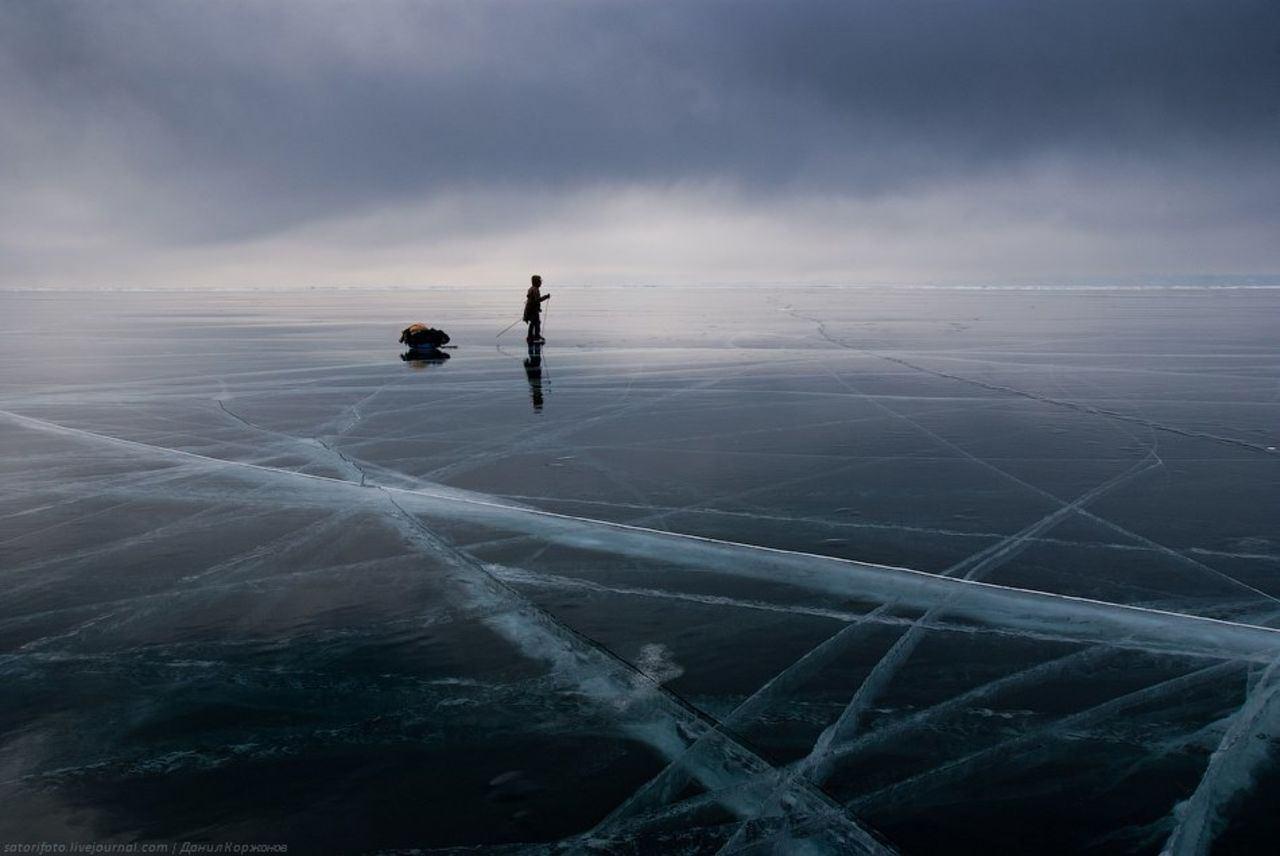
x=537, y=281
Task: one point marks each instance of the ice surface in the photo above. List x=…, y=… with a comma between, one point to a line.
x=811, y=569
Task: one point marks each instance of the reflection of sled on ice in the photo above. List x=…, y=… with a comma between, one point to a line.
x=420, y=358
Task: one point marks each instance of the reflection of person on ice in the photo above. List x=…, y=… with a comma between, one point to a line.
x=533, y=309
x=533, y=371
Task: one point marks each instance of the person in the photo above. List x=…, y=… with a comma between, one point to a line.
x=533, y=309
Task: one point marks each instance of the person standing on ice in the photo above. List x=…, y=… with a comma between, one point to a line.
x=533, y=309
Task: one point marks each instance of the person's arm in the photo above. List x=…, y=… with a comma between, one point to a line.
x=544, y=297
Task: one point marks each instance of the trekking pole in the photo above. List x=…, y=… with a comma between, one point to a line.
x=508, y=327
x=545, y=316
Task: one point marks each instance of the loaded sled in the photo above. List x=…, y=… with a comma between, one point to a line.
x=420, y=337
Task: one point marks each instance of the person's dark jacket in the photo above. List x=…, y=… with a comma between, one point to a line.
x=533, y=303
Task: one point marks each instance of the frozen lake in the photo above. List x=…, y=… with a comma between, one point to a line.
x=720, y=569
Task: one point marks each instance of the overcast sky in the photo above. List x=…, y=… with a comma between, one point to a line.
x=230, y=144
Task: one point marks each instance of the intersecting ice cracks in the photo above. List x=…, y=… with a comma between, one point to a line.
x=360, y=423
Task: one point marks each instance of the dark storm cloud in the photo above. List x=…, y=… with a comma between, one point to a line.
x=198, y=122
x=294, y=107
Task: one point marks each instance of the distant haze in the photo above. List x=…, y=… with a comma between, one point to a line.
x=225, y=144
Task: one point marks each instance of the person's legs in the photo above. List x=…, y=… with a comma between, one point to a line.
x=535, y=327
